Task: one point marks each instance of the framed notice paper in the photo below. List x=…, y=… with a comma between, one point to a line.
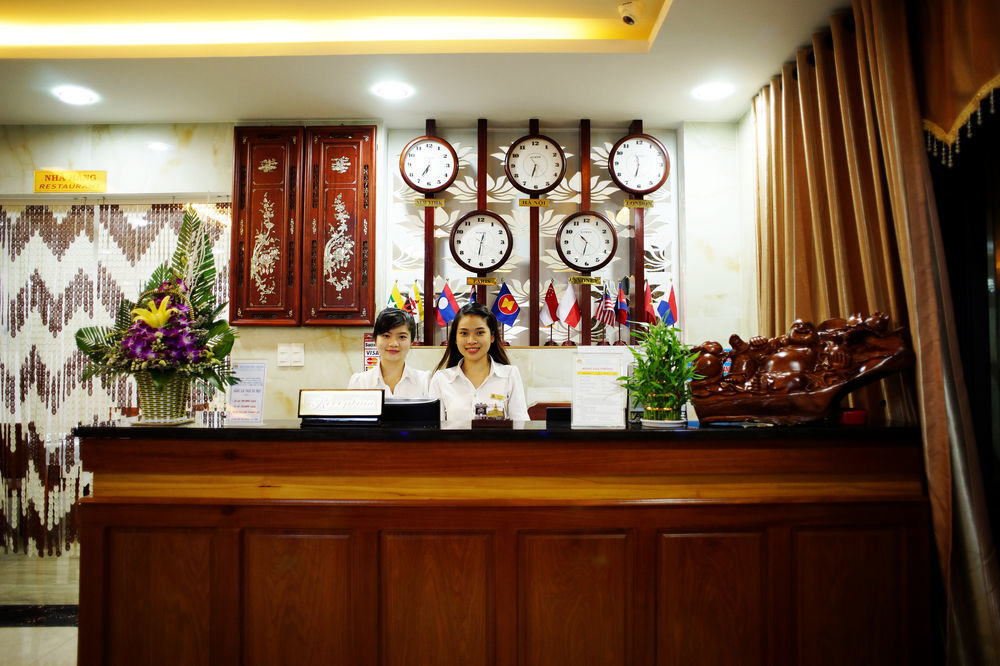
x=598, y=398
x=246, y=399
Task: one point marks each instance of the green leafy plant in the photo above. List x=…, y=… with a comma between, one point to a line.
x=662, y=370
x=173, y=328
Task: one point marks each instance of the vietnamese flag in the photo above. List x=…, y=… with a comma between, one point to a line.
x=505, y=307
x=650, y=311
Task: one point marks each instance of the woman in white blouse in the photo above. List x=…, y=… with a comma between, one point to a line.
x=475, y=378
x=394, y=333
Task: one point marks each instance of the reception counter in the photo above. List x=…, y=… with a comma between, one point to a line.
x=528, y=547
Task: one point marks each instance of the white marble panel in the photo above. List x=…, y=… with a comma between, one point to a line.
x=197, y=159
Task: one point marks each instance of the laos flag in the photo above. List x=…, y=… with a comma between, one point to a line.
x=447, y=306
x=505, y=307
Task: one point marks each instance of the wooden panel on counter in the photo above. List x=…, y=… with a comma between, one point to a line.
x=547, y=555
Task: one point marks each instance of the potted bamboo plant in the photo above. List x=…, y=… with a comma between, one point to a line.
x=661, y=372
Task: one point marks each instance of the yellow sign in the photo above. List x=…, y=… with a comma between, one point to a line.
x=533, y=203
x=638, y=203
x=435, y=203
x=489, y=282
x=585, y=279
x=71, y=181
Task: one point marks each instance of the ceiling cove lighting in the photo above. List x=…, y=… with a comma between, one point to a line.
x=715, y=90
x=392, y=90
x=75, y=95
x=157, y=145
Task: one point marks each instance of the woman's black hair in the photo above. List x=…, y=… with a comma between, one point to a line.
x=390, y=318
x=452, y=355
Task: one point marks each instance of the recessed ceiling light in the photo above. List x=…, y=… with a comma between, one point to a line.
x=709, y=92
x=75, y=95
x=157, y=145
x=392, y=90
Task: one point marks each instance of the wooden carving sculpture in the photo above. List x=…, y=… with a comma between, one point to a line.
x=798, y=377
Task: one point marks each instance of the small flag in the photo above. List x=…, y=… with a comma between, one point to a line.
x=569, y=309
x=472, y=294
x=420, y=303
x=505, y=307
x=396, y=298
x=548, y=315
x=622, y=306
x=606, y=308
x=674, y=314
x=648, y=306
x=447, y=306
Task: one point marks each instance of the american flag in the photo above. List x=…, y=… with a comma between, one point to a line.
x=606, y=308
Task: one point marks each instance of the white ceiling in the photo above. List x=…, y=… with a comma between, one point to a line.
x=741, y=41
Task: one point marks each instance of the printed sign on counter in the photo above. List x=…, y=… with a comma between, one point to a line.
x=598, y=398
x=246, y=399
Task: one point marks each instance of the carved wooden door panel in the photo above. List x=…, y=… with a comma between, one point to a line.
x=338, y=285
x=266, y=261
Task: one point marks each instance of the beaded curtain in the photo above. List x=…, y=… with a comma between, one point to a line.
x=65, y=267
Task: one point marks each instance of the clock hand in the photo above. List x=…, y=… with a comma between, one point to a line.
x=636, y=166
x=534, y=168
x=585, y=244
x=482, y=237
x=426, y=169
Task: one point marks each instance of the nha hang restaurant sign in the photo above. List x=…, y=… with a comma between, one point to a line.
x=65, y=181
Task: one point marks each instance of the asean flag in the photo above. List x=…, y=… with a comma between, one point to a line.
x=505, y=307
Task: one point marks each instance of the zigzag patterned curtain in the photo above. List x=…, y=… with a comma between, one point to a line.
x=64, y=267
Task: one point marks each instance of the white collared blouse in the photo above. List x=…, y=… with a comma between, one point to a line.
x=413, y=383
x=501, y=395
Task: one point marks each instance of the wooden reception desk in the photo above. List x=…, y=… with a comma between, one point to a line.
x=532, y=547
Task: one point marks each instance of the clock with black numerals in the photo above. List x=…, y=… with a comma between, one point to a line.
x=586, y=241
x=535, y=164
x=639, y=164
x=428, y=164
x=481, y=241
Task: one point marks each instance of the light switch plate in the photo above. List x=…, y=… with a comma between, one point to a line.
x=292, y=354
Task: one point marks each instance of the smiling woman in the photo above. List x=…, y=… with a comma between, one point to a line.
x=475, y=379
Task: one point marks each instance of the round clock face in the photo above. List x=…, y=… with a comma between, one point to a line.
x=586, y=241
x=639, y=164
x=428, y=164
x=535, y=164
x=481, y=241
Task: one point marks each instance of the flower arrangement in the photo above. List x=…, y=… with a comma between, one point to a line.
x=172, y=330
x=663, y=368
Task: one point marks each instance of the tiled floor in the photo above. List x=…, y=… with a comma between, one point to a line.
x=38, y=580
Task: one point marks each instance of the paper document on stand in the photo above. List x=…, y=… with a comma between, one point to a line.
x=598, y=398
x=246, y=399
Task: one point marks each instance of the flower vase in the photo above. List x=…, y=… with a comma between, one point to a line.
x=166, y=407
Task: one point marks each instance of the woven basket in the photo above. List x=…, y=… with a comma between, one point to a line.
x=163, y=407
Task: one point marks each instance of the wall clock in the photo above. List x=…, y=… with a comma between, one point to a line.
x=639, y=164
x=535, y=164
x=481, y=241
x=586, y=241
x=428, y=164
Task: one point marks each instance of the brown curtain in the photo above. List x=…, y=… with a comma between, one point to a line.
x=847, y=223
x=957, y=67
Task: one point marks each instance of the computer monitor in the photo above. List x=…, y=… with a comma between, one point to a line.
x=411, y=413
